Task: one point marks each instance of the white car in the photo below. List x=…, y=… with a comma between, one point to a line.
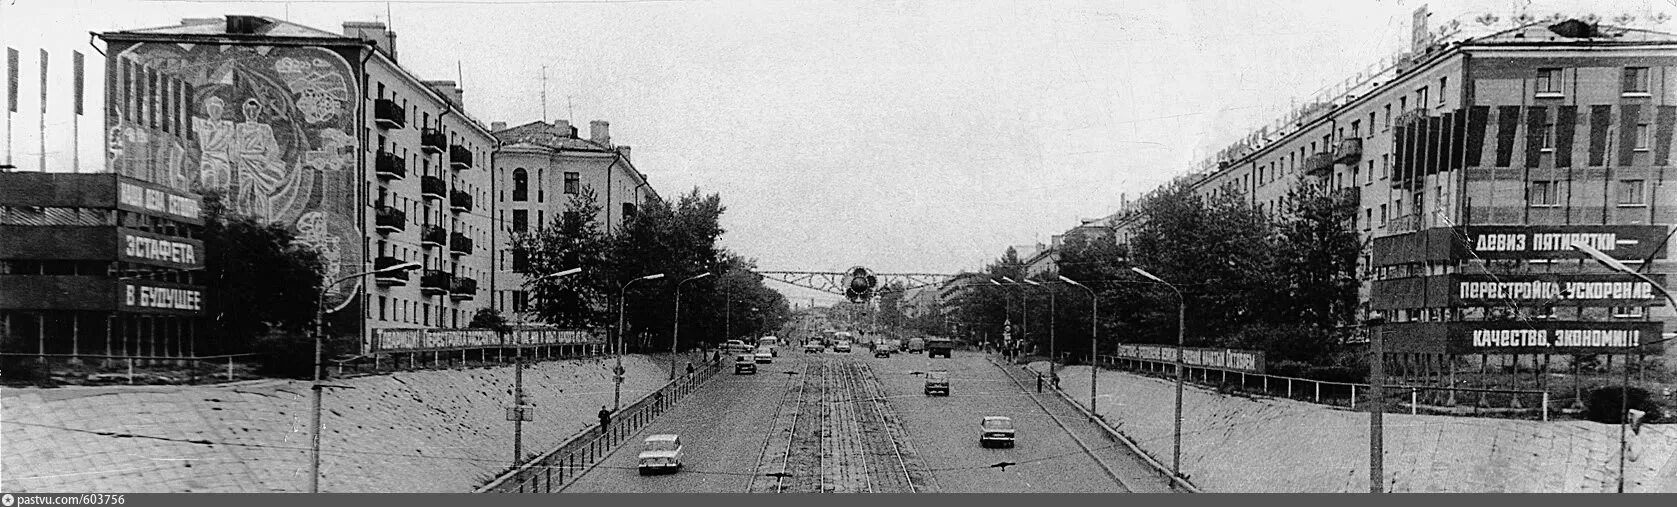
x=996, y=430
x=841, y=346
x=764, y=355
x=660, y=453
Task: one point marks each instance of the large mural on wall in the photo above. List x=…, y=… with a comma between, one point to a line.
x=271, y=129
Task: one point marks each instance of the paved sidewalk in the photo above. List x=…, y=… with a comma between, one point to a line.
x=417, y=431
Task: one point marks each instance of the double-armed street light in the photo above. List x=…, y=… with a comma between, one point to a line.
x=676, y=329
x=319, y=338
x=1181, y=319
x=617, y=378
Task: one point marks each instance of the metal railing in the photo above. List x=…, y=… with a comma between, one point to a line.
x=1416, y=399
x=552, y=470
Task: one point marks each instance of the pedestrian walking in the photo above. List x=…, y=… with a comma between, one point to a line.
x=689, y=368
x=605, y=417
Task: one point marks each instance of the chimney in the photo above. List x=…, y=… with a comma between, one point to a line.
x=624, y=150
x=600, y=132
x=453, y=94
x=562, y=128
x=497, y=126
x=373, y=31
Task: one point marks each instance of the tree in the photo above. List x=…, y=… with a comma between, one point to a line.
x=490, y=318
x=1216, y=252
x=258, y=280
x=1315, y=261
x=571, y=240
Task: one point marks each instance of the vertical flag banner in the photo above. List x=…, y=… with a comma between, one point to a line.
x=11, y=79
x=76, y=62
x=43, y=81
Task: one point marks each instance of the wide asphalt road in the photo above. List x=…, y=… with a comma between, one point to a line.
x=856, y=423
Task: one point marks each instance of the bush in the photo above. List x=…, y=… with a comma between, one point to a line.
x=285, y=355
x=1602, y=404
x=22, y=369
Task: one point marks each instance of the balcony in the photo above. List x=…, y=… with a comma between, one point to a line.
x=391, y=167
x=461, y=288
x=388, y=115
x=390, y=278
x=433, y=141
x=460, y=201
x=390, y=219
x=1405, y=223
x=1319, y=164
x=432, y=187
x=1349, y=151
x=459, y=244
x=1350, y=195
x=432, y=236
x=459, y=157
x=434, y=282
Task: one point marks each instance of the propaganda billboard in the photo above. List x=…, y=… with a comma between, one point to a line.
x=149, y=296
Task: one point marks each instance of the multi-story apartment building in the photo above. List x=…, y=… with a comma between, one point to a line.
x=1475, y=163
x=322, y=132
x=539, y=167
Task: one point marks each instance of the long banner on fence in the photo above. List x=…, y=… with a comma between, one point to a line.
x=408, y=340
x=1233, y=359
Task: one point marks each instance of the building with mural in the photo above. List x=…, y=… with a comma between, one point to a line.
x=1476, y=162
x=539, y=167
x=325, y=133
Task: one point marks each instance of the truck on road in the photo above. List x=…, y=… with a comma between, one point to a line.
x=916, y=345
x=939, y=347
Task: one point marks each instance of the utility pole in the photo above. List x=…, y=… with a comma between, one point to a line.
x=518, y=415
x=1377, y=404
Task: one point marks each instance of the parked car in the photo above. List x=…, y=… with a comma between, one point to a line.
x=842, y=346
x=813, y=347
x=745, y=364
x=764, y=355
x=996, y=430
x=660, y=454
x=937, y=382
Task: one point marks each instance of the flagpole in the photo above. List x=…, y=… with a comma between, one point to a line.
x=43, y=114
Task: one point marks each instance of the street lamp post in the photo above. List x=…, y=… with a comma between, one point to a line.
x=1377, y=402
x=617, y=378
x=1024, y=310
x=1181, y=321
x=1624, y=387
x=1006, y=309
x=675, y=331
x=518, y=380
x=319, y=339
x=1052, y=355
x=1094, y=350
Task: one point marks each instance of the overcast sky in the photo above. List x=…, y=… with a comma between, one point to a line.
x=903, y=136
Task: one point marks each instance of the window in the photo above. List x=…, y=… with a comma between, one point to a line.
x=1356, y=128
x=520, y=301
x=628, y=210
x=1388, y=116
x=1368, y=218
x=541, y=187
x=1403, y=104
x=1441, y=82
x=1642, y=137
x=573, y=183
x=520, y=220
x=1385, y=165
x=1421, y=97
x=1548, y=81
x=1383, y=215
x=1632, y=193
x=1636, y=80
x=1369, y=180
x=1546, y=136
x=1544, y=193
x=520, y=185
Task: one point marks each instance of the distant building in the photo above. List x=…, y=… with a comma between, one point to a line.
x=539, y=167
x=325, y=133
